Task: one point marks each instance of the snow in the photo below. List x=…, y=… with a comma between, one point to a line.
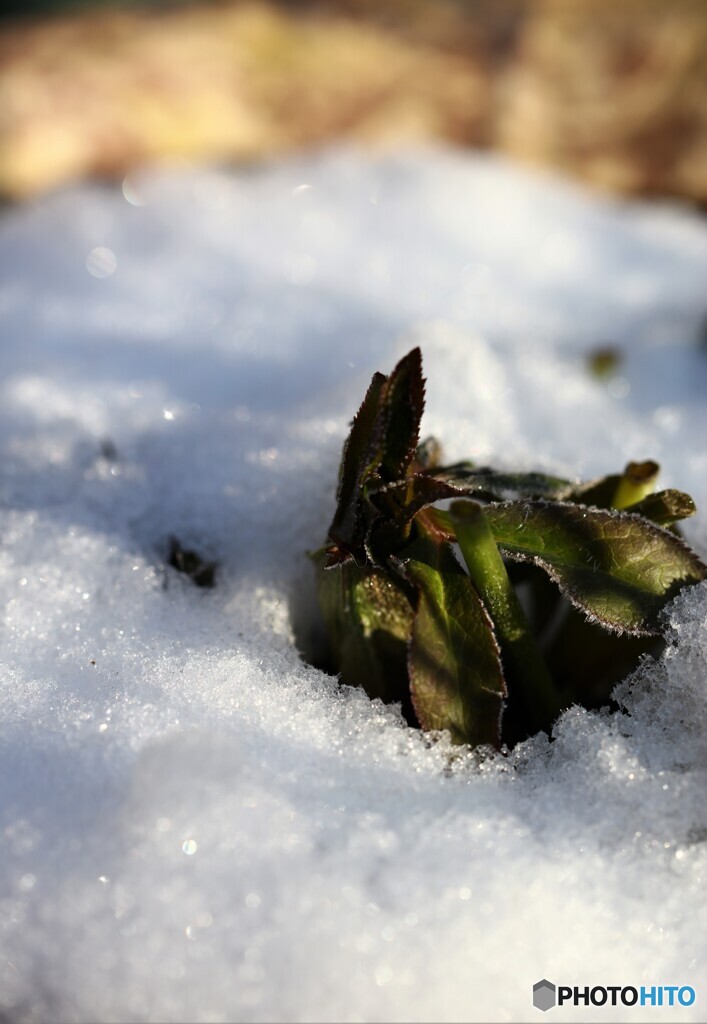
x=195, y=824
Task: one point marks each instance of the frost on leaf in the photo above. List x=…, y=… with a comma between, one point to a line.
x=457, y=647
x=616, y=566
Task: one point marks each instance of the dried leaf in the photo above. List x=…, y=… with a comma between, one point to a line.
x=604, y=360
x=199, y=571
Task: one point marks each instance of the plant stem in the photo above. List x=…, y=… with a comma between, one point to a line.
x=636, y=483
x=518, y=647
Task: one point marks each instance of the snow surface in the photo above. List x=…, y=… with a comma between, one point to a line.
x=196, y=825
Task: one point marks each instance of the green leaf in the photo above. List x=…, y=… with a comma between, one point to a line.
x=456, y=679
x=618, y=490
x=525, y=669
x=664, y=507
x=637, y=482
x=598, y=493
x=368, y=619
x=587, y=661
x=615, y=566
x=493, y=485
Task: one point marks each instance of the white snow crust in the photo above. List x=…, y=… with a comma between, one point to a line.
x=194, y=824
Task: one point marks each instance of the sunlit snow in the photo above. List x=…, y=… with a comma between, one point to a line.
x=196, y=825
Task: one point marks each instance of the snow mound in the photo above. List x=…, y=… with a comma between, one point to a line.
x=196, y=825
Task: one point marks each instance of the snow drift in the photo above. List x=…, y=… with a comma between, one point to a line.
x=198, y=826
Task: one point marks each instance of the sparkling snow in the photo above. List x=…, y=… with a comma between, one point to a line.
x=196, y=825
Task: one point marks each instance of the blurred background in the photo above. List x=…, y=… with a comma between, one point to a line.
x=614, y=94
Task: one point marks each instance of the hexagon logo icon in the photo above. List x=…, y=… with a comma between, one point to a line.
x=544, y=995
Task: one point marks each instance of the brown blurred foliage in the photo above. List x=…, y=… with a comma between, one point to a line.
x=614, y=93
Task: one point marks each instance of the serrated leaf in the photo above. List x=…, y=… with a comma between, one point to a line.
x=454, y=665
x=399, y=503
x=615, y=566
x=494, y=485
x=360, y=458
x=380, y=447
x=402, y=500
x=402, y=402
x=368, y=620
